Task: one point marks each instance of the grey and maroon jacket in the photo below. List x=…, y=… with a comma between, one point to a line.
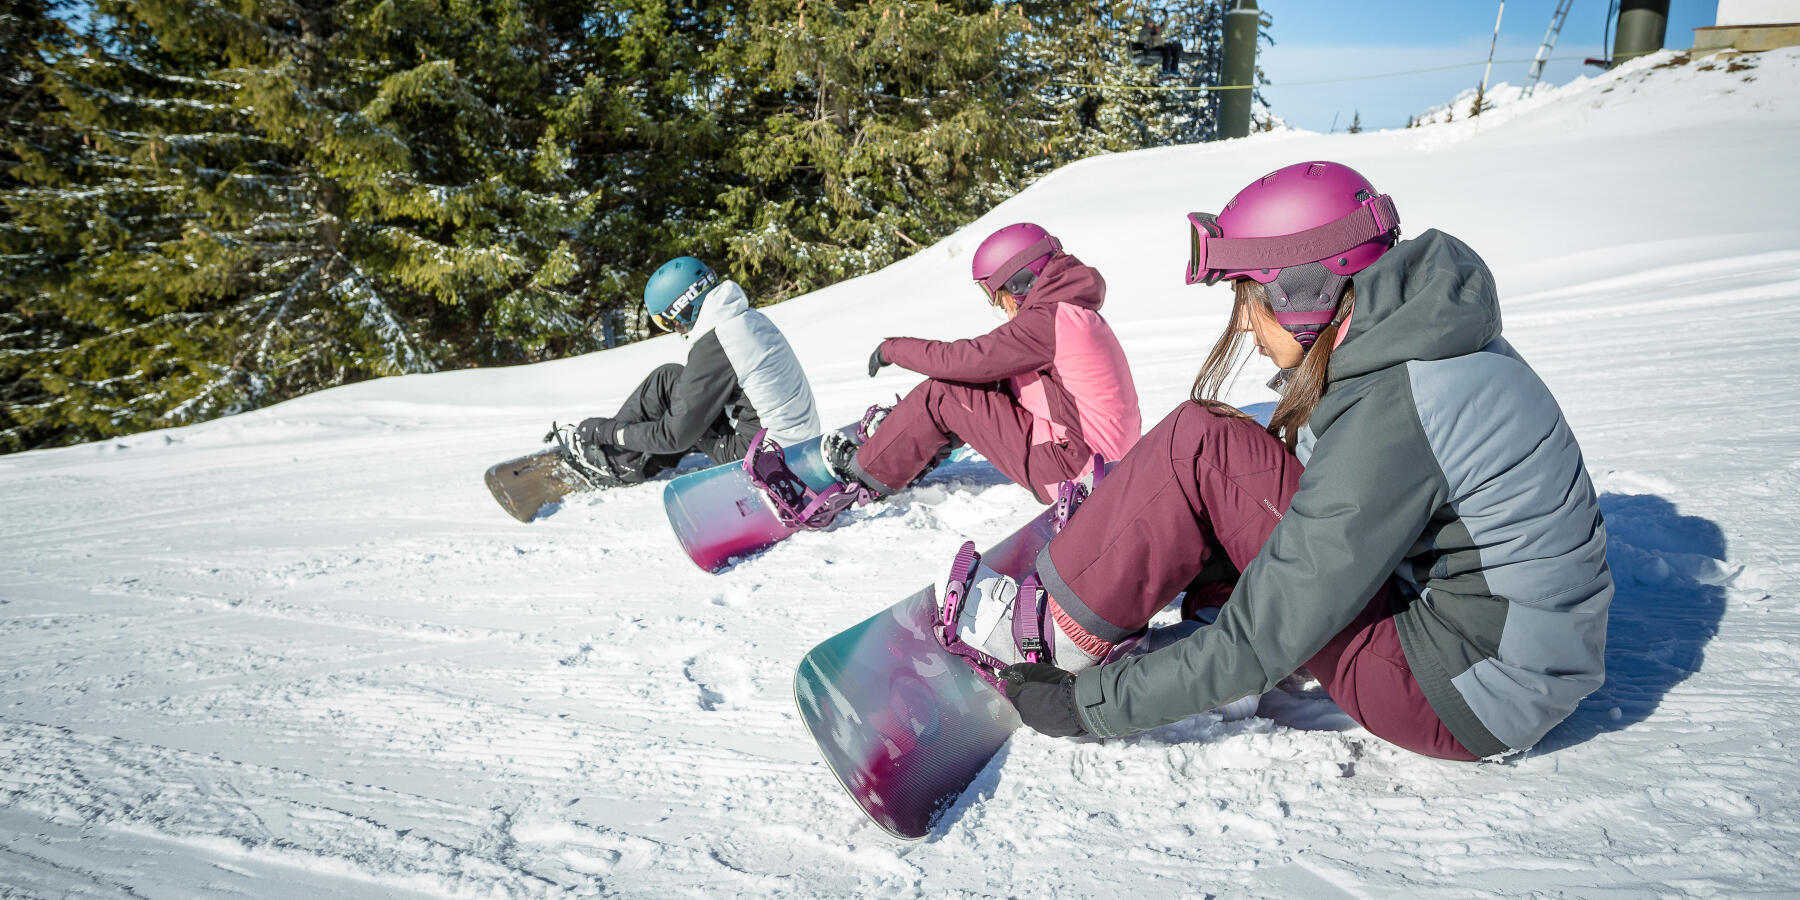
x=738, y=365
x=1436, y=458
x=1061, y=359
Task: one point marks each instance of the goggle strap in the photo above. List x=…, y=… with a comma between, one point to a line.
x=1373, y=219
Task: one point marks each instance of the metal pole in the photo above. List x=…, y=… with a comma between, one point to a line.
x=1642, y=26
x=1481, y=95
x=1239, y=70
x=1543, y=55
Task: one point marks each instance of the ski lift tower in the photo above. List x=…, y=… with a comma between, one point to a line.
x=1543, y=54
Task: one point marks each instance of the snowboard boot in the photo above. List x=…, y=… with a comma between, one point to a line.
x=986, y=607
x=584, y=457
x=839, y=451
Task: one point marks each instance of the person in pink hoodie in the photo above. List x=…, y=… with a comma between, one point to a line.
x=1038, y=396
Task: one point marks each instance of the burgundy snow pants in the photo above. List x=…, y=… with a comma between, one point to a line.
x=1201, y=479
x=939, y=414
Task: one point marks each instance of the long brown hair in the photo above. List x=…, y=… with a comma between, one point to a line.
x=1304, y=387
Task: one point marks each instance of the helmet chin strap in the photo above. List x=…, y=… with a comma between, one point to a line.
x=1280, y=381
x=1306, y=300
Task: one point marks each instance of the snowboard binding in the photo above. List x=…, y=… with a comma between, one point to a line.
x=795, y=503
x=1026, y=628
x=871, y=419
x=1032, y=632
x=598, y=473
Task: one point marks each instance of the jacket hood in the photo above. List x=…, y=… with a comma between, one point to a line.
x=1066, y=280
x=1428, y=298
x=725, y=301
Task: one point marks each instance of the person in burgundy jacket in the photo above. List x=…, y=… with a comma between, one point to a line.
x=1039, y=396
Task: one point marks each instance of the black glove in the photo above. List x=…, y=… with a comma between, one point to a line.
x=597, y=430
x=876, y=362
x=1045, y=698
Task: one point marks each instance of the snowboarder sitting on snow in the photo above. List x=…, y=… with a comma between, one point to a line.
x=1440, y=566
x=1038, y=396
x=741, y=376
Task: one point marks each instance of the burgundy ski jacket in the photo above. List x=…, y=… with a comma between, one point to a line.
x=1058, y=355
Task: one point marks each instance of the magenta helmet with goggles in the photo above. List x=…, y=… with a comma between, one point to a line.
x=1301, y=231
x=1012, y=258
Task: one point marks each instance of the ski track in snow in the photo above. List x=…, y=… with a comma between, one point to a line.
x=300, y=652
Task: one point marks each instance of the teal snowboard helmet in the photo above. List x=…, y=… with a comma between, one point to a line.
x=674, y=293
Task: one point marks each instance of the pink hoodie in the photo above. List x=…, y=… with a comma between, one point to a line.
x=1062, y=361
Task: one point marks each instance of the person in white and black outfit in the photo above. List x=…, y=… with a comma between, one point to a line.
x=741, y=376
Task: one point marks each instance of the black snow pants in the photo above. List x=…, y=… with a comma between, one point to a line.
x=721, y=442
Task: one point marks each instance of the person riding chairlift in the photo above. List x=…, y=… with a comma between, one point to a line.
x=1151, y=39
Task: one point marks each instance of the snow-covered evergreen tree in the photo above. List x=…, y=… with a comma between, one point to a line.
x=295, y=195
x=860, y=131
x=57, y=171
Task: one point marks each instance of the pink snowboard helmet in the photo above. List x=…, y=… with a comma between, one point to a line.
x=1013, y=258
x=1301, y=231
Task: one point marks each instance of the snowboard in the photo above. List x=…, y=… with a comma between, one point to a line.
x=719, y=513
x=902, y=723
x=527, y=484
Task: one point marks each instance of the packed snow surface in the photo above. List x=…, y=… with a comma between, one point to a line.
x=301, y=652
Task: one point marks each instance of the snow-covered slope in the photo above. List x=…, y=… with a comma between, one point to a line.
x=300, y=651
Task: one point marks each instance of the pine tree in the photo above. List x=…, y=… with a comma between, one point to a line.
x=861, y=131
x=298, y=195
x=1479, y=105
x=1355, y=122
x=71, y=203
x=29, y=257
x=1089, y=44
x=637, y=143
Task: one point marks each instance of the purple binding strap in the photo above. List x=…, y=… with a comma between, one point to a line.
x=950, y=608
x=1035, y=642
x=871, y=419
x=1071, y=494
x=1028, y=631
x=796, y=504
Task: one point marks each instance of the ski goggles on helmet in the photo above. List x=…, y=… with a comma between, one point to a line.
x=1213, y=257
x=1013, y=276
x=679, y=315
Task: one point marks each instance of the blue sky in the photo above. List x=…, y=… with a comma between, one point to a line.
x=1321, y=39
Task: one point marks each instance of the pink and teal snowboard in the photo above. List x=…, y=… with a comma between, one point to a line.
x=904, y=724
x=719, y=515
